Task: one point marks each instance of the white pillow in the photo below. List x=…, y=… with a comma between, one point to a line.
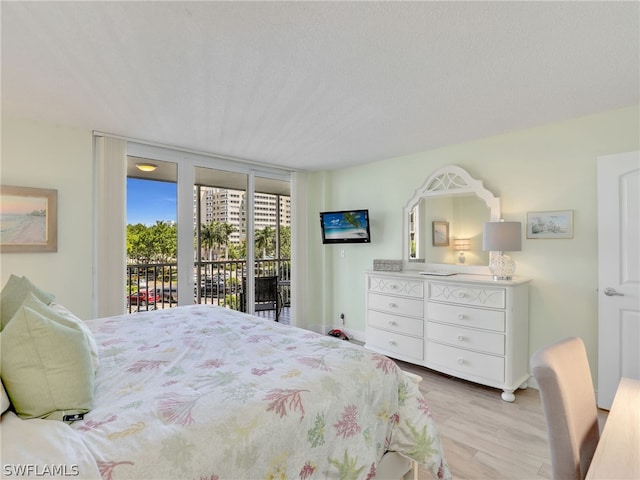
x=93, y=346
x=4, y=399
x=48, y=449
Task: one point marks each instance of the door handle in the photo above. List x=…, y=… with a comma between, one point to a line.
x=611, y=292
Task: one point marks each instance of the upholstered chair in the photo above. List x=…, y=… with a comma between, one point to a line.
x=568, y=400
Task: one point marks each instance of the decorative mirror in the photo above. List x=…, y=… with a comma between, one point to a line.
x=443, y=223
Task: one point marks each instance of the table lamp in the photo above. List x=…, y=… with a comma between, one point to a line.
x=502, y=237
x=461, y=245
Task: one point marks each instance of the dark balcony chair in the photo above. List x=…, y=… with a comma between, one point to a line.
x=266, y=295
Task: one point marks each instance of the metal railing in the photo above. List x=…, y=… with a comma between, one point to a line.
x=153, y=286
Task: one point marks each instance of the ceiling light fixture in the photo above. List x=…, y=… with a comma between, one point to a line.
x=146, y=167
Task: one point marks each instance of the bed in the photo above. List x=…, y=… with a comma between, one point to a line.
x=201, y=392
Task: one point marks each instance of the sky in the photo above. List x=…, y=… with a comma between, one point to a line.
x=21, y=205
x=149, y=201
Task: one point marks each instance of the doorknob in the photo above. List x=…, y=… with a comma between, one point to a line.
x=611, y=292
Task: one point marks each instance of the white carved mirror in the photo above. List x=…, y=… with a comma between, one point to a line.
x=443, y=223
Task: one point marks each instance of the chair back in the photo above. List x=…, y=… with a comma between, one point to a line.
x=569, y=403
x=267, y=296
x=266, y=289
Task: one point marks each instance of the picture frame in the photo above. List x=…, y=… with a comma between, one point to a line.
x=28, y=219
x=552, y=224
x=440, y=234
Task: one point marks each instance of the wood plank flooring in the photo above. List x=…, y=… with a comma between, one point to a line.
x=483, y=436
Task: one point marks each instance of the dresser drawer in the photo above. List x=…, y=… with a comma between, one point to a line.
x=395, y=343
x=467, y=316
x=405, y=325
x=396, y=286
x=468, y=295
x=466, y=338
x=465, y=362
x=396, y=305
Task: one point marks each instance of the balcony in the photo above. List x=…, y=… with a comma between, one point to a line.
x=152, y=286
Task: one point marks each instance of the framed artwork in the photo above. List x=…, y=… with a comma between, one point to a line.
x=558, y=224
x=440, y=234
x=28, y=220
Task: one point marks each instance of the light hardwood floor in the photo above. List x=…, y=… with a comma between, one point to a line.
x=483, y=436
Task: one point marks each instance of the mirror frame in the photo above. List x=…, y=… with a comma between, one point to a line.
x=448, y=180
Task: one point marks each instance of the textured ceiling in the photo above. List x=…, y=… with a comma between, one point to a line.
x=316, y=85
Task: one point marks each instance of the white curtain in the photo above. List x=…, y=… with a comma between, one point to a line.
x=299, y=251
x=110, y=259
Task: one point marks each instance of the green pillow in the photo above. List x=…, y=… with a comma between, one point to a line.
x=46, y=367
x=61, y=315
x=14, y=293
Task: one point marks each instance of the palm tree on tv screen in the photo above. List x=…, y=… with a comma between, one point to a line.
x=352, y=219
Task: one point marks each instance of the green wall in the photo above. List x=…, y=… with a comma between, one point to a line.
x=552, y=167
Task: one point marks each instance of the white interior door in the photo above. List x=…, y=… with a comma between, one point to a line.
x=618, y=272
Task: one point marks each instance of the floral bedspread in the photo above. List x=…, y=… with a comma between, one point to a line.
x=205, y=393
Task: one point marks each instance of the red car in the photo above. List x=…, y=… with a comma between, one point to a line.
x=143, y=297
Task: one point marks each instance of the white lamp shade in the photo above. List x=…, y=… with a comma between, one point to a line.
x=502, y=237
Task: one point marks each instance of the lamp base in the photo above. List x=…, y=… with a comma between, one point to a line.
x=502, y=267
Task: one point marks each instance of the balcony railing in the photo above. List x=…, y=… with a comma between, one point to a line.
x=153, y=286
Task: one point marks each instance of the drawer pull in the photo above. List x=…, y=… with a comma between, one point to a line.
x=393, y=323
x=393, y=286
x=392, y=305
x=392, y=343
x=461, y=338
x=461, y=361
x=462, y=294
x=461, y=316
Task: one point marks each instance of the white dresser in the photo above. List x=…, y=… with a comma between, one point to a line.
x=468, y=326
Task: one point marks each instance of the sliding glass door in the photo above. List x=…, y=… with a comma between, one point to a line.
x=231, y=234
x=242, y=242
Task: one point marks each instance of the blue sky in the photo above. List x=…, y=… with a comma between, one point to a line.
x=149, y=201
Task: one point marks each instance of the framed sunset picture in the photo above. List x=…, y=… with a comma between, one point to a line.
x=28, y=220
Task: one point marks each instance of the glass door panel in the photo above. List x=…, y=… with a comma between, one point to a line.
x=272, y=237
x=152, y=266
x=219, y=237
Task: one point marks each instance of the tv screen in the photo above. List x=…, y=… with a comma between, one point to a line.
x=347, y=226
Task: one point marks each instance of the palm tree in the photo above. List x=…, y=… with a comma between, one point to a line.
x=264, y=238
x=207, y=238
x=226, y=229
x=215, y=235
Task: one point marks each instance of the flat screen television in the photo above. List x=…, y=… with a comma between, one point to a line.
x=346, y=226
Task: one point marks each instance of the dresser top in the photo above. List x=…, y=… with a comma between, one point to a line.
x=455, y=278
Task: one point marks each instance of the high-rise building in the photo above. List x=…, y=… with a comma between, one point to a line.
x=230, y=206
